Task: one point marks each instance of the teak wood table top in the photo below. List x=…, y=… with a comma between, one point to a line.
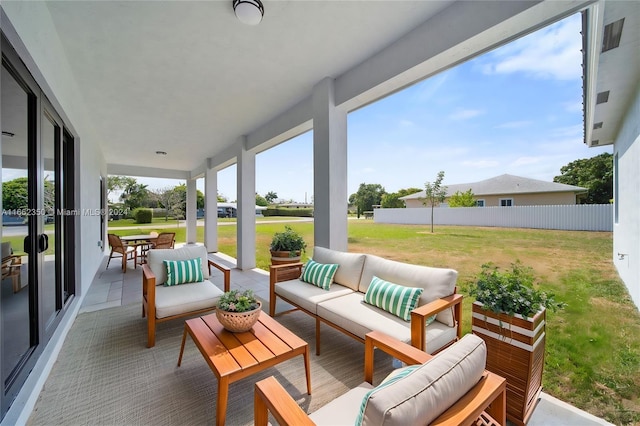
x=234, y=356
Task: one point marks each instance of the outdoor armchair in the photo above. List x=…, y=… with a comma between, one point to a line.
x=163, y=300
x=11, y=266
x=450, y=388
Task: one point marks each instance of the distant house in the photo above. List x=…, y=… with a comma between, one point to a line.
x=231, y=210
x=508, y=190
x=295, y=205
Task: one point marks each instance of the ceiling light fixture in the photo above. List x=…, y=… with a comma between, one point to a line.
x=249, y=12
x=161, y=153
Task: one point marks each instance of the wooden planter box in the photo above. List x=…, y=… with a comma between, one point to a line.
x=284, y=258
x=515, y=351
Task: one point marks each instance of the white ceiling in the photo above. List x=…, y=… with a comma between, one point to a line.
x=186, y=77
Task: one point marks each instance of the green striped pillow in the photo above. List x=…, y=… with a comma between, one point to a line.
x=183, y=271
x=319, y=274
x=393, y=298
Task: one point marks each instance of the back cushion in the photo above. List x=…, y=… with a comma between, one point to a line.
x=157, y=256
x=430, y=390
x=436, y=282
x=350, y=269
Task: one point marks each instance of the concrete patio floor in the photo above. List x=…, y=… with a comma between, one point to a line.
x=111, y=288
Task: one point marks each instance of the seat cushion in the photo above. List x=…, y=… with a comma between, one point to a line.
x=436, y=282
x=350, y=270
x=155, y=258
x=176, y=300
x=352, y=314
x=343, y=410
x=306, y=295
x=425, y=393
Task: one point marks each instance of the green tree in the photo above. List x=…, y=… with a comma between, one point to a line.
x=595, y=174
x=271, y=196
x=390, y=201
x=435, y=193
x=118, y=183
x=462, y=199
x=261, y=201
x=367, y=196
x=15, y=194
x=134, y=195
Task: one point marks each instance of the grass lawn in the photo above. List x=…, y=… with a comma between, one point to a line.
x=593, y=346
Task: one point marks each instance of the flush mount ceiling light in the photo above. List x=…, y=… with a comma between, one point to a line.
x=249, y=12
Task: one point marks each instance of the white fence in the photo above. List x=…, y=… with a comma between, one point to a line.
x=581, y=217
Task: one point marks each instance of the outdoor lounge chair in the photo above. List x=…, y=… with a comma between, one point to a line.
x=162, y=302
x=11, y=266
x=450, y=388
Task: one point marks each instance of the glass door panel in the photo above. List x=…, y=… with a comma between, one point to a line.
x=18, y=334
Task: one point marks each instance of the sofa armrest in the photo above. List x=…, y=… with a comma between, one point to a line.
x=487, y=397
x=270, y=396
x=394, y=347
x=149, y=289
x=421, y=313
x=278, y=273
x=226, y=271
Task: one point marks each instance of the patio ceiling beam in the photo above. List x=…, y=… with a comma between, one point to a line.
x=125, y=170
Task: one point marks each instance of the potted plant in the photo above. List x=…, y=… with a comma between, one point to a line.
x=286, y=247
x=510, y=314
x=238, y=311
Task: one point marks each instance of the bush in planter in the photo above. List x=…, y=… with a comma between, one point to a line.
x=288, y=240
x=511, y=292
x=238, y=301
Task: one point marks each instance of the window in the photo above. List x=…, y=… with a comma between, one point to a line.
x=479, y=203
x=506, y=202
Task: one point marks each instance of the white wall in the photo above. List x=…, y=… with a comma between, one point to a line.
x=626, y=232
x=39, y=47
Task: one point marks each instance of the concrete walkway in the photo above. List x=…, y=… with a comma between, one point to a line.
x=111, y=288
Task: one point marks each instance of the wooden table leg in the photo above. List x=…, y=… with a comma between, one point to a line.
x=223, y=398
x=184, y=339
x=306, y=368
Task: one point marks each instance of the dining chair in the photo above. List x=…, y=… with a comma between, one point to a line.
x=165, y=240
x=123, y=250
x=146, y=246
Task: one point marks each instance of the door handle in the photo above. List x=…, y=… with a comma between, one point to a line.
x=43, y=243
x=27, y=244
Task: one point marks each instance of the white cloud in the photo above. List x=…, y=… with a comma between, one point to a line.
x=465, y=114
x=481, y=164
x=514, y=124
x=551, y=53
x=524, y=161
x=574, y=106
x=406, y=123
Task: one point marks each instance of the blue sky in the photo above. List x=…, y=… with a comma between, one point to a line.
x=516, y=110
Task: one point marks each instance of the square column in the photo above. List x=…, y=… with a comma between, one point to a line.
x=330, y=199
x=211, y=210
x=246, y=181
x=192, y=220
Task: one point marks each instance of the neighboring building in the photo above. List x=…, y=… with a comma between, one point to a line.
x=295, y=205
x=231, y=210
x=508, y=190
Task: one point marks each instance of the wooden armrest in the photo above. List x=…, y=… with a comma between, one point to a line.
x=394, y=347
x=270, y=396
x=148, y=282
x=488, y=394
x=421, y=313
x=226, y=271
x=284, y=272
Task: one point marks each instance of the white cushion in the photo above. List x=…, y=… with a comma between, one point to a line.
x=437, y=282
x=306, y=295
x=350, y=269
x=343, y=410
x=427, y=392
x=156, y=256
x=184, y=298
x=352, y=314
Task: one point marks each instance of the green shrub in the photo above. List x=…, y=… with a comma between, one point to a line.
x=143, y=215
x=279, y=211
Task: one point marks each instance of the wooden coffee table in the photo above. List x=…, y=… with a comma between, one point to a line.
x=234, y=356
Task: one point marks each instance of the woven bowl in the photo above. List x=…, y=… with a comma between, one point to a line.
x=238, y=322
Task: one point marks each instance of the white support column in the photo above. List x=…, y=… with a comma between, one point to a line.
x=211, y=210
x=246, y=181
x=192, y=220
x=330, y=199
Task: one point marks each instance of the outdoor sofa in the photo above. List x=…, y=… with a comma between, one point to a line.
x=431, y=326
